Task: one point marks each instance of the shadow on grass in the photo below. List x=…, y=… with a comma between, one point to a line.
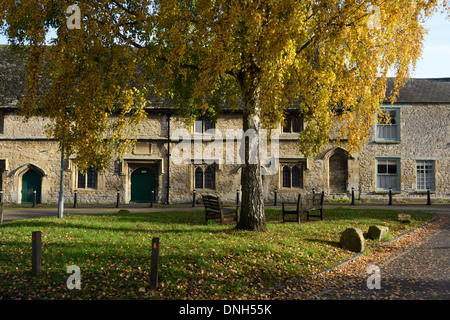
x=198, y=227
x=335, y=244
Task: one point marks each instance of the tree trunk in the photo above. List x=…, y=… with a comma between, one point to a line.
x=252, y=215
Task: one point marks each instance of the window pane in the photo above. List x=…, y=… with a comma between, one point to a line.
x=388, y=131
x=297, y=124
x=387, y=181
x=393, y=115
x=387, y=174
x=382, y=167
x=392, y=167
x=92, y=178
x=209, y=178
x=81, y=180
x=209, y=124
x=296, y=177
x=198, y=126
x=286, y=177
x=425, y=175
x=199, y=178
x=287, y=125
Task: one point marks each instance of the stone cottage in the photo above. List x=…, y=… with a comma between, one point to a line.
x=410, y=156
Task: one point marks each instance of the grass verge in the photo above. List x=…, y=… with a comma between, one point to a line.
x=197, y=260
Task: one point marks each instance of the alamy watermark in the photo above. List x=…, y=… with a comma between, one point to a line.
x=374, y=281
x=74, y=280
x=374, y=21
x=74, y=20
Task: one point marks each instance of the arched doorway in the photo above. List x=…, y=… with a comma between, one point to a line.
x=31, y=181
x=142, y=184
x=338, y=172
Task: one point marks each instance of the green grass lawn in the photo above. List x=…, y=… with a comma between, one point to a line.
x=197, y=260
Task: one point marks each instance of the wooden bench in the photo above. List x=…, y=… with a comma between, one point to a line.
x=214, y=210
x=306, y=204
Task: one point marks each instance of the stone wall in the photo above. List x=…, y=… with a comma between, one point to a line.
x=424, y=135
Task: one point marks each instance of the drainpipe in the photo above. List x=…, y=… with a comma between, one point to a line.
x=168, y=159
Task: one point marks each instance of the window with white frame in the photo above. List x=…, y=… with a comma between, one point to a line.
x=425, y=174
x=388, y=131
x=388, y=174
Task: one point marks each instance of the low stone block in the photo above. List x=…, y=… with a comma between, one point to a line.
x=404, y=217
x=352, y=239
x=377, y=232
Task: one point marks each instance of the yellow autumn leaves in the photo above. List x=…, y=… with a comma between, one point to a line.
x=317, y=55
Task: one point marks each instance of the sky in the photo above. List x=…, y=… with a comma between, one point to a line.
x=435, y=60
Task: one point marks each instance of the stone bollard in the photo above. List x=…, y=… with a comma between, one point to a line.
x=377, y=232
x=402, y=217
x=353, y=239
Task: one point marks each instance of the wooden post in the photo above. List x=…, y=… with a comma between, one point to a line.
x=353, y=196
x=390, y=197
x=118, y=199
x=1, y=212
x=154, y=264
x=275, y=192
x=36, y=252
x=193, y=198
x=428, y=197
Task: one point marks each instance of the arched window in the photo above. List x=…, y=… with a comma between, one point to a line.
x=286, y=177
x=199, y=178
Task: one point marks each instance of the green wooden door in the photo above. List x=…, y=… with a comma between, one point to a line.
x=142, y=184
x=31, y=180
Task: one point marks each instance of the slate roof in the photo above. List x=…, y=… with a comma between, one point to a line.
x=421, y=90
x=12, y=78
x=12, y=84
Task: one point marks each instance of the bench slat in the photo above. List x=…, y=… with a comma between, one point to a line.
x=306, y=204
x=215, y=211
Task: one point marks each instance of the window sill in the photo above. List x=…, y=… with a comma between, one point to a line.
x=387, y=191
x=425, y=191
x=388, y=141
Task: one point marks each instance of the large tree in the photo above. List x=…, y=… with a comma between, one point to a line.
x=329, y=58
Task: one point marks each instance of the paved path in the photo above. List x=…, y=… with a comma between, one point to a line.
x=419, y=269
x=420, y=272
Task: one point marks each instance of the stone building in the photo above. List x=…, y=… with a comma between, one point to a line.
x=409, y=156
